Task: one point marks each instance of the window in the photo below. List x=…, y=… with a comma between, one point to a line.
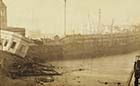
x=1, y=40
x=6, y=42
x=22, y=49
x=13, y=45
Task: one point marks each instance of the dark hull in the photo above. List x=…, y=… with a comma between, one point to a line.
x=84, y=46
x=100, y=45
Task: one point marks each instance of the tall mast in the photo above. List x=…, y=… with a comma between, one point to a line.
x=99, y=22
x=89, y=23
x=111, y=30
x=65, y=17
x=0, y=34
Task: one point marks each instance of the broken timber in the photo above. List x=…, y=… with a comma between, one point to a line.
x=15, y=66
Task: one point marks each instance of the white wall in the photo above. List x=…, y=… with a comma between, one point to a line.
x=20, y=41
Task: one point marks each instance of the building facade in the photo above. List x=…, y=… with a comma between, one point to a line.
x=3, y=21
x=3, y=14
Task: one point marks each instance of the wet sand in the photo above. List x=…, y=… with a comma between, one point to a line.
x=102, y=71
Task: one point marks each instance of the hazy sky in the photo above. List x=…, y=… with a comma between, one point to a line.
x=48, y=15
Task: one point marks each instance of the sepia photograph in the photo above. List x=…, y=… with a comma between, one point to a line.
x=69, y=43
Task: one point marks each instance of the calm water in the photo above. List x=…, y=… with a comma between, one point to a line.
x=96, y=71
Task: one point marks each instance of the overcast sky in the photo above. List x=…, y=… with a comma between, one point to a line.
x=48, y=15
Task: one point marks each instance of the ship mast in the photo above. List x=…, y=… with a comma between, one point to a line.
x=111, y=29
x=99, y=22
x=0, y=28
x=65, y=16
x=89, y=23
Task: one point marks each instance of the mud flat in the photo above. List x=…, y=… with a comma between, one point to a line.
x=103, y=71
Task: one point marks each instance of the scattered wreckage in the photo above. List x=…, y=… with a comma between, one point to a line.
x=16, y=67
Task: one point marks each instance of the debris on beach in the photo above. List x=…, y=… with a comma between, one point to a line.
x=16, y=67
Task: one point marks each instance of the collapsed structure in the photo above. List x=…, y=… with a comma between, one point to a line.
x=13, y=39
x=15, y=43
x=13, y=49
